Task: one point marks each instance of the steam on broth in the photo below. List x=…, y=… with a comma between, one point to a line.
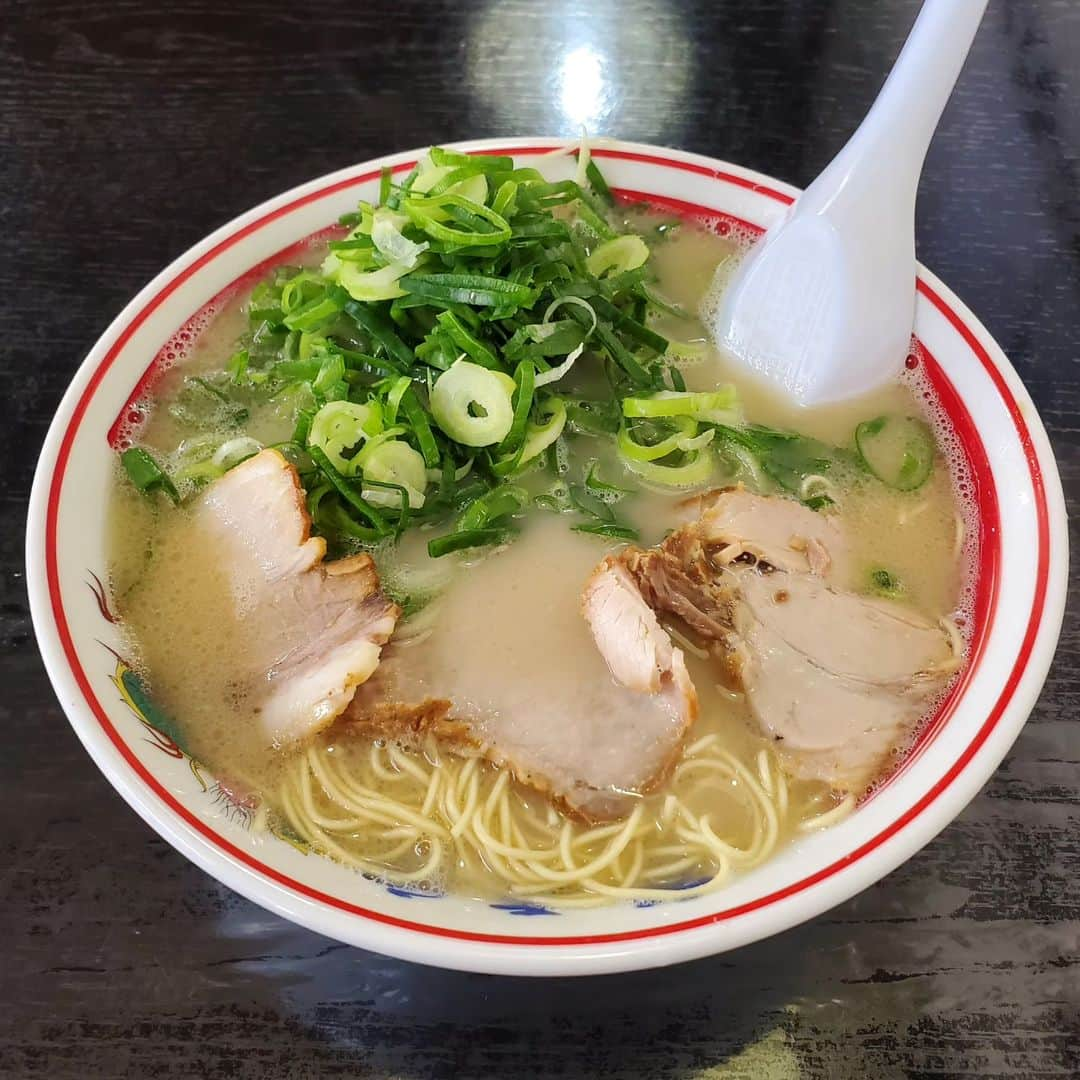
x=621, y=585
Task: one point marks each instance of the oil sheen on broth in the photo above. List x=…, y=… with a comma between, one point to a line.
x=507, y=632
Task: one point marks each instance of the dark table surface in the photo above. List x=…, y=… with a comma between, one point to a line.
x=131, y=129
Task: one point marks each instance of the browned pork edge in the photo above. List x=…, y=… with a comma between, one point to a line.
x=410, y=724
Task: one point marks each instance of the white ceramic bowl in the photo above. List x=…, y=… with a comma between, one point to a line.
x=1022, y=560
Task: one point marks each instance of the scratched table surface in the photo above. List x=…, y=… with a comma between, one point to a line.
x=130, y=130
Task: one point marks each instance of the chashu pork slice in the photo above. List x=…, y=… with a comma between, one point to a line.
x=642, y=656
x=509, y=668
x=781, y=532
x=838, y=680
x=835, y=678
x=311, y=631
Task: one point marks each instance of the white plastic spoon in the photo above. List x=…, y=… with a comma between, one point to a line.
x=823, y=305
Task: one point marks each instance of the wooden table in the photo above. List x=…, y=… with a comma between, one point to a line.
x=130, y=130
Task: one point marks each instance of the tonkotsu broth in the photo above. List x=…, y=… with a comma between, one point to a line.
x=176, y=616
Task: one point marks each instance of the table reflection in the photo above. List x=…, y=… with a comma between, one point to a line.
x=612, y=67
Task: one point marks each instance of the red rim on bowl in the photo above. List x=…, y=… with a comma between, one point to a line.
x=989, y=561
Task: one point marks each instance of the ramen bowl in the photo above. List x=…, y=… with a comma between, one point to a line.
x=1018, y=595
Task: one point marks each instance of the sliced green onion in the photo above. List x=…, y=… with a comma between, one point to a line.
x=661, y=303
x=292, y=292
x=303, y=426
x=622, y=356
x=789, y=461
x=393, y=496
x=315, y=497
x=539, y=436
x=898, y=450
x=315, y=312
x=556, y=498
x=477, y=290
x=438, y=350
x=466, y=180
x=472, y=405
x=525, y=380
x=717, y=407
x=503, y=203
x=330, y=516
x=631, y=449
x=455, y=180
x=397, y=391
x=371, y=285
x=372, y=444
x=463, y=180
x=402, y=346
x=560, y=457
x=607, y=493
x=393, y=200
x=541, y=195
x=686, y=350
x=341, y=486
x=361, y=364
x=360, y=251
x=618, y=255
x=192, y=461
x=397, y=464
x=490, y=508
x=146, y=474
x=693, y=473
x=418, y=420
x=594, y=500
x=593, y=417
x=632, y=328
x=584, y=156
x=698, y=441
x=611, y=529
x=341, y=426
x=592, y=218
x=556, y=373
x=472, y=346
x=598, y=183
x=884, y=583
x=388, y=238
x=381, y=332
x=747, y=468
x=420, y=207
x=230, y=453
x=237, y=366
x=488, y=162
x=540, y=340
x=759, y=432
x=330, y=374
x=575, y=301
x=528, y=232
x=458, y=541
x=311, y=346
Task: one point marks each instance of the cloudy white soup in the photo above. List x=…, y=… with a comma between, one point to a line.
x=453, y=550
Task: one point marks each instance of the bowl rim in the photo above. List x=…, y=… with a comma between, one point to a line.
x=652, y=946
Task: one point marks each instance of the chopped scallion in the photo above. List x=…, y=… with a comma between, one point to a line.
x=146, y=474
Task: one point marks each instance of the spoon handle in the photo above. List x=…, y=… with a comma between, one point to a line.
x=823, y=306
x=891, y=142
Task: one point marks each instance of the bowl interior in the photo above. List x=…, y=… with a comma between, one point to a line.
x=1019, y=594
